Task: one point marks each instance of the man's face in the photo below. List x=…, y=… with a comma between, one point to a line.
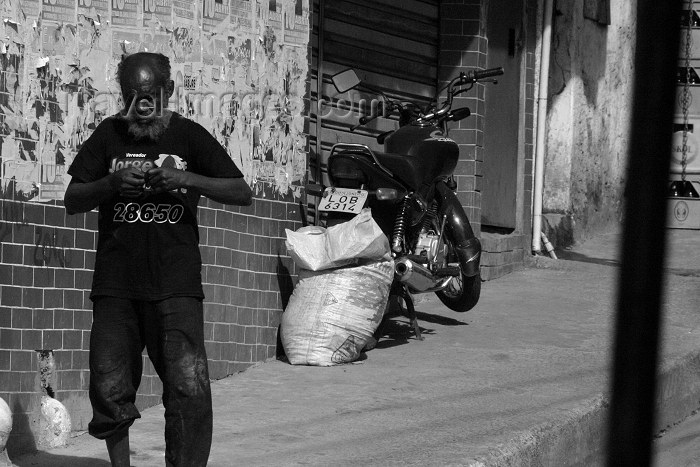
x=145, y=92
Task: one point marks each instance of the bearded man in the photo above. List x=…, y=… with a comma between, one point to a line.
x=145, y=168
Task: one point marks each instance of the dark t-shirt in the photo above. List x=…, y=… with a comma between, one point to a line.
x=148, y=248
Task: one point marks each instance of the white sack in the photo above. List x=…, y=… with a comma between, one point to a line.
x=332, y=314
x=317, y=248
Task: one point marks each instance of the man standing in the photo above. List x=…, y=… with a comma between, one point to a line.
x=145, y=168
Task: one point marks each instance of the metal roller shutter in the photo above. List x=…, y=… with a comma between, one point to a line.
x=392, y=45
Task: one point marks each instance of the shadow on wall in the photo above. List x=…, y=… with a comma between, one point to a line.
x=590, y=100
x=23, y=442
x=286, y=283
x=571, y=29
x=594, y=65
x=286, y=287
x=559, y=229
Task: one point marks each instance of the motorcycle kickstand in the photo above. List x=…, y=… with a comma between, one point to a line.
x=411, y=309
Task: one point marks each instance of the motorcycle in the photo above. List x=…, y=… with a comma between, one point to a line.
x=410, y=189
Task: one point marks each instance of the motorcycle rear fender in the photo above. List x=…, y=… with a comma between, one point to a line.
x=467, y=246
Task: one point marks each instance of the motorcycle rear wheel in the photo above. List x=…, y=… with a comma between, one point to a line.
x=463, y=292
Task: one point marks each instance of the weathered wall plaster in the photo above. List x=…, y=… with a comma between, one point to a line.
x=240, y=69
x=591, y=78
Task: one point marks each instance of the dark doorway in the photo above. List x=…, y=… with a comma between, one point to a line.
x=502, y=117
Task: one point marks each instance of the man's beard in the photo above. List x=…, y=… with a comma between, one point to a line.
x=151, y=128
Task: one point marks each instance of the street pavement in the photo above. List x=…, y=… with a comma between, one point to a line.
x=522, y=379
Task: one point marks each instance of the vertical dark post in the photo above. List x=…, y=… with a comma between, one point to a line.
x=319, y=98
x=639, y=295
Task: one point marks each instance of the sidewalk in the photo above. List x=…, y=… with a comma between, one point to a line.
x=519, y=380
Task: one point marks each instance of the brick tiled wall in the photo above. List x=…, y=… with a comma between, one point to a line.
x=463, y=47
x=46, y=261
x=245, y=268
x=500, y=255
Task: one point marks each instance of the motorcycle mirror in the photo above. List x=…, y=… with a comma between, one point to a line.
x=345, y=80
x=458, y=114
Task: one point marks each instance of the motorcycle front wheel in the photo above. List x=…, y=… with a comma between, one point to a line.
x=463, y=292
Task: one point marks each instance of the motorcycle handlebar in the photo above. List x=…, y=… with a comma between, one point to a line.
x=463, y=79
x=364, y=120
x=488, y=73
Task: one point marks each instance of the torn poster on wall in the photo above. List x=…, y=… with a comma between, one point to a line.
x=240, y=69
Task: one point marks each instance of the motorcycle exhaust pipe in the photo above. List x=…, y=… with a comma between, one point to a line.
x=416, y=276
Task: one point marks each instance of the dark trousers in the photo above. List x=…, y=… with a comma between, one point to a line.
x=172, y=332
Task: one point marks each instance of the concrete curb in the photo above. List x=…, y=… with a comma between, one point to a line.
x=578, y=438
x=575, y=439
x=678, y=391
x=544, y=262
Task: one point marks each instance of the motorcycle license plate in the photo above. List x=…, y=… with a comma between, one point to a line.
x=342, y=200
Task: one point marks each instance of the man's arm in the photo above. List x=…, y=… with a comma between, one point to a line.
x=84, y=197
x=223, y=190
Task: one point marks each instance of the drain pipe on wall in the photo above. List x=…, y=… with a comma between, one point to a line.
x=540, y=145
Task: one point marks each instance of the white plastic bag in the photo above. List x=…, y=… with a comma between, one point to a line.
x=316, y=248
x=332, y=313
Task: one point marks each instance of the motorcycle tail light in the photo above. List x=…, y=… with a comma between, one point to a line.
x=346, y=171
x=387, y=194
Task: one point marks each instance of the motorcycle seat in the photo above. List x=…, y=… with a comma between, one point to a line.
x=409, y=170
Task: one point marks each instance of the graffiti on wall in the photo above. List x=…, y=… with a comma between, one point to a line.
x=240, y=69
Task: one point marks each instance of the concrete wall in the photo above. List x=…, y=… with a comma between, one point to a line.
x=591, y=76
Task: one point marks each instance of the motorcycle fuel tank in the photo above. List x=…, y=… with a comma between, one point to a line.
x=424, y=147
